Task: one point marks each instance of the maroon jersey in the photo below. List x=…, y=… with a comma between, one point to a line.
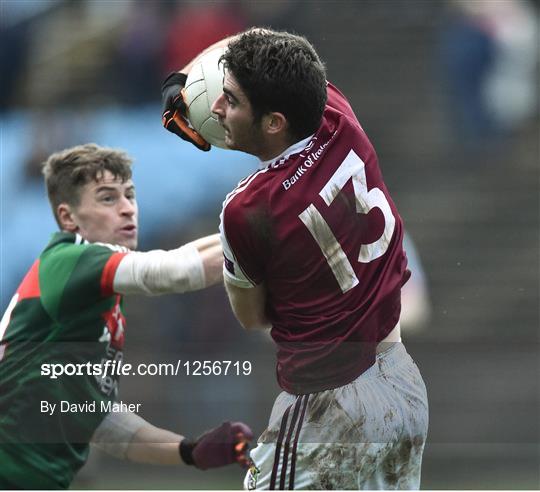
x=317, y=226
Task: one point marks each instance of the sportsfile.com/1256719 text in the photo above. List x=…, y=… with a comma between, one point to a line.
x=119, y=368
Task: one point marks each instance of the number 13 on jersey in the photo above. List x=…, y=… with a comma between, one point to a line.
x=353, y=167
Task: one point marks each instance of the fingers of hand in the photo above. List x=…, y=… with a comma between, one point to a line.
x=168, y=119
x=241, y=449
x=241, y=428
x=178, y=102
x=188, y=133
x=244, y=461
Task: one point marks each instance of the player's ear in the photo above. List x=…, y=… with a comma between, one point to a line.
x=275, y=122
x=64, y=212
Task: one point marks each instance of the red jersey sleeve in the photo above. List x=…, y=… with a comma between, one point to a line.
x=242, y=236
x=108, y=273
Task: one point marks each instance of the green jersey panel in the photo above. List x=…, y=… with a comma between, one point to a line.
x=64, y=312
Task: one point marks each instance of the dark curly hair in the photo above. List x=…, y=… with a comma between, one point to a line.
x=281, y=72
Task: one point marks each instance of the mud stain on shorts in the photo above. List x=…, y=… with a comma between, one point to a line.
x=269, y=436
x=388, y=417
x=318, y=405
x=398, y=464
x=333, y=467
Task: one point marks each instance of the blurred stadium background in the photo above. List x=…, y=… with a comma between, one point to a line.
x=447, y=91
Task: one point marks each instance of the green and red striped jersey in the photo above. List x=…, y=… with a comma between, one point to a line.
x=64, y=312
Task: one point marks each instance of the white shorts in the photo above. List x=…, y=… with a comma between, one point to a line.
x=368, y=434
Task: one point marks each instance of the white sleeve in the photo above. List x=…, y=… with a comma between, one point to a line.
x=116, y=432
x=160, y=272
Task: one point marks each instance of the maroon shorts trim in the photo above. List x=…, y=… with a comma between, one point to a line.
x=299, y=409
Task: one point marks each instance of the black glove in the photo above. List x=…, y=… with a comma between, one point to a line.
x=174, y=111
x=217, y=447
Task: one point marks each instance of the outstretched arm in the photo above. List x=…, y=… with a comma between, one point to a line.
x=209, y=248
x=128, y=436
x=194, y=266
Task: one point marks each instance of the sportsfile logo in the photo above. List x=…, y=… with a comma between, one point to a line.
x=311, y=159
x=117, y=368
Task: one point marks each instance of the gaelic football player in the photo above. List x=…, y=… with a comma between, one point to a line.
x=68, y=311
x=313, y=251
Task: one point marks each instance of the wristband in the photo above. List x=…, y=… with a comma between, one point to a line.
x=185, y=449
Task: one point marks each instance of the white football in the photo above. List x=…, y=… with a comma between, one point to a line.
x=204, y=85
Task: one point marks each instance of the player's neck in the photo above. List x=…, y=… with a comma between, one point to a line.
x=283, y=150
x=273, y=147
x=271, y=154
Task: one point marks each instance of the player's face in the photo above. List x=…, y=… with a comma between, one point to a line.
x=235, y=114
x=108, y=212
